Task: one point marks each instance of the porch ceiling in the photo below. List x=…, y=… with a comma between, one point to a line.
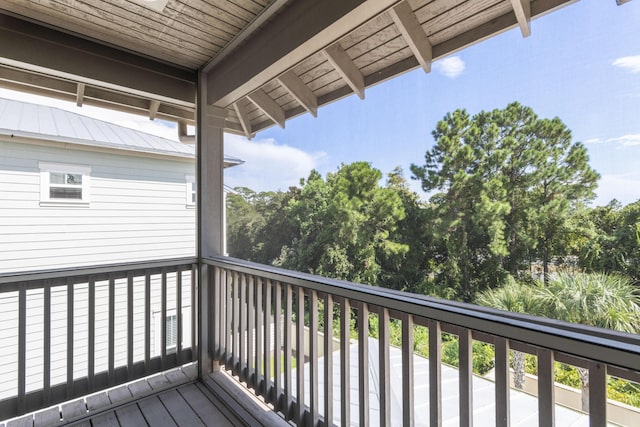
x=265, y=60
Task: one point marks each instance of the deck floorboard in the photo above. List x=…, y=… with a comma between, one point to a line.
x=170, y=399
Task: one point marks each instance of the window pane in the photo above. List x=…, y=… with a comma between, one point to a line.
x=56, y=178
x=193, y=186
x=65, y=193
x=193, y=197
x=172, y=330
x=75, y=179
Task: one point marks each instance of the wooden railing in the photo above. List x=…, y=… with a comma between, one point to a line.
x=275, y=328
x=67, y=333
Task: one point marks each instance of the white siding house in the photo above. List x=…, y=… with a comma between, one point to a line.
x=76, y=191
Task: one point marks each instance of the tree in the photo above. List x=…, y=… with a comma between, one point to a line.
x=614, y=246
x=518, y=298
x=257, y=225
x=408, y=270
x=601, y=300
x=344, y=224
x=507, y=181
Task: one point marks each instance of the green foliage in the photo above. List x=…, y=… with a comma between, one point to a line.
x=507, y=181
x=483, y=356
x=614, y=245
x=596, y=299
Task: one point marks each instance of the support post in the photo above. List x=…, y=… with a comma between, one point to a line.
x=210, y=122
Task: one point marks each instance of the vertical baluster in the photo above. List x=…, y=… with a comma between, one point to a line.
x=163, y=319
x=407, y=371
x=111, y=317
x=251, y=331
x=228, y=316
x=597, y=394
x=243, y=328
x=216, y=309
x=328, y=359
x=210, y=315
x=179, y=319
x=465, y=382
x=194, y=311
x=267, y=340
x=147, y=322
x=235, y=326
x=260, y=356
x=92, y=332
x=70, y=339
x=546, y=388
x=313, y=356
x=363, y=363
x=277, y=346
x=300, y=355
x=130, y=326
x=46, y=381
x=435, y=377
x=288, y=386
x=228, y=353
x=22, y=346
x=345, y=383
x=384, y=371
x=502, y=382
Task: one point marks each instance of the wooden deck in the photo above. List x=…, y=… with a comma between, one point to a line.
x=172, y=398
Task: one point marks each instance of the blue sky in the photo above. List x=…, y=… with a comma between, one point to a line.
x=581, y=63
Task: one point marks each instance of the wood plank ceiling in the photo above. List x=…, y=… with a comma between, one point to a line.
x=194, y=35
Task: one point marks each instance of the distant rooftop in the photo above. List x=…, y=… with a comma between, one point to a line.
x=29, y=120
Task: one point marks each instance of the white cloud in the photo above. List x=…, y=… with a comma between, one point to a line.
x=624, y=140
x=450, y=67
x=268, y=165
x=631, y=63
x=627, y=140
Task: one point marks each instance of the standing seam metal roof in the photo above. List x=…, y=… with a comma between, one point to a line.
x=54, y=124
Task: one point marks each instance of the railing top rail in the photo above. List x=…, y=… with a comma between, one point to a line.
x=32, y=276
x=600, y=345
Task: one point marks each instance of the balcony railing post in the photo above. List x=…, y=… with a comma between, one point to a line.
x=435, y=377
x=205, y=362
x=408, y=418
x=465, y=386
x=546, y=388
x=597, y=394
x=502, y=382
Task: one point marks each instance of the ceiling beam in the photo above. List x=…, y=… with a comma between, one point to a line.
x=522, y=10
x=300, y=91
x=154, y=106
x=29, y=46
x=344, y=65
x=243, y=117
x=80, y=94
x=252, y=26
x=302, y=28
x=268, y=106
x=413, y=34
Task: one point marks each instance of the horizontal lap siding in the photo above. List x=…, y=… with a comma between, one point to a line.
x=137, y=212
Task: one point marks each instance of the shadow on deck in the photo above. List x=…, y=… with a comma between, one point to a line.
x=172, y=398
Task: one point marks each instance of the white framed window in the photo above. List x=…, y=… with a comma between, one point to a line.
x=191, y=190
x=171, y=322
x=64, y=184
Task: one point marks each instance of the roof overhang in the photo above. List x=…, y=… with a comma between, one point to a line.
x=265, y=62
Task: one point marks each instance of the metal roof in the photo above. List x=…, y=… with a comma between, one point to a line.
x=29, y=120
x=263, y=62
